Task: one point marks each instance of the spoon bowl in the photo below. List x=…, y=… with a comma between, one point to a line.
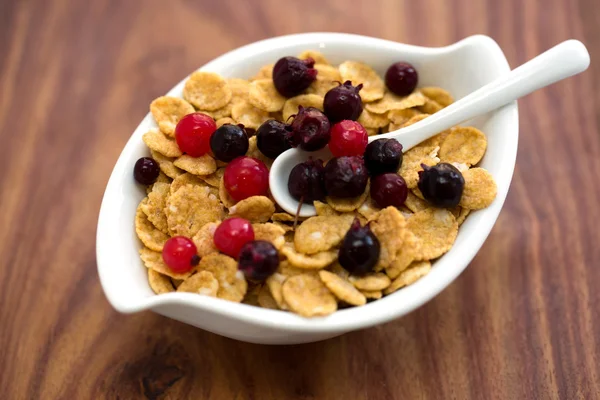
x=562, y=61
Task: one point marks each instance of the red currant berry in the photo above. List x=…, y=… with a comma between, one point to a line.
x=193, y=134
x=179, y=253
x=246, y=177
x=348, y=138
x=232, y=234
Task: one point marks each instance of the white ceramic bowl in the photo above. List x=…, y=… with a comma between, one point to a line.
x=459, y=68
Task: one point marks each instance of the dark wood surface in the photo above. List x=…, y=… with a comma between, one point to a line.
x=522, y=322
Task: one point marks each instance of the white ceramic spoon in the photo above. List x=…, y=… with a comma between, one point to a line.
x=562, y=61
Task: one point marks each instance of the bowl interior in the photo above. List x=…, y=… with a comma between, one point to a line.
x=460, y=68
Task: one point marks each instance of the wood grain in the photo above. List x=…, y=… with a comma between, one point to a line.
x=76, y=77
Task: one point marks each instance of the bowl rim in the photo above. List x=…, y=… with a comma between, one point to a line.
x=374, y=313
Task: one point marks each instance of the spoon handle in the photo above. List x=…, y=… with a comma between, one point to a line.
x=561, y=61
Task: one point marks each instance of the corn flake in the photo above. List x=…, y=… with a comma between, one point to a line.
x=206, y=91
x=283, y=217
x=480, y=189
x=264, y=96
x=318, y=234
x=159, y=283
x=308, y=296
x=430, y=107
x=202, y=282
x=411, y=164
x=369, y=209
x=414, y=203
x=227, y=200
x=153, y=260
x=266, y=300
x=214, y=179
x=439, y=95
x=275, y=285
x=167, y=111
x=356, y=72
x=154, y=208
x=148, y=234
x=405, y=255
x=246, y=114
x=166, y=165
x=372, y=281
x=399, y=117
x=232, y=285
x=305, y=100
x=186, y=179
x=312, y=261
x=328, y=77
x=269, y=232
x=373, y=121
x=265, y=72
x=388, y=227
x=317, y=57
x=390, y=102
x=464, y=144
x=342, y=289
x=347, y=204
x=324, y=210
x=203, y=165
x=190, y=208
x=416, y=271
x=204, y=239
x=436, y=231
x=157, y=141
x=254, y=209
x=223, y=121
x=372, y=294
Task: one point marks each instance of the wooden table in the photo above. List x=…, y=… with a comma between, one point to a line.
x=76, y=77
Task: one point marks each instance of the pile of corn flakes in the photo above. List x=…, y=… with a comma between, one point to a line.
x=189, y=197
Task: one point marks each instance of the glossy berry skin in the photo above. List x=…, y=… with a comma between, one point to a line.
x=348, y=138
x=292, y=75
x=232, y=234
x=306, y=182
x=389, y=190
x=343, y=102
x=273, y=138
x=229, y=142
x=258, y=260
x=383, y=155
x=360, y=249
x=311, y=129
x=193, y=134
x=146, y=170
x=179, y=253
x=246, y=177
x=401, y=78
x=345, y=177
x=442, y=185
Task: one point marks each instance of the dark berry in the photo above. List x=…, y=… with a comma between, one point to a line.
x=232, y=234
x=273, y=138
x=343, y=102
x=146, y=170
x=348, y=138
x=383, y=155
x=292, y=75
x=306, y=182
x=229, y=142
x=389, y=190
x=246, y=177
x=258, y=260
x=193, y=134
x=442, y=185
x=310, y=129
x=360, y=249
x=346, y=177
x=401, y=78
x=179, y=253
